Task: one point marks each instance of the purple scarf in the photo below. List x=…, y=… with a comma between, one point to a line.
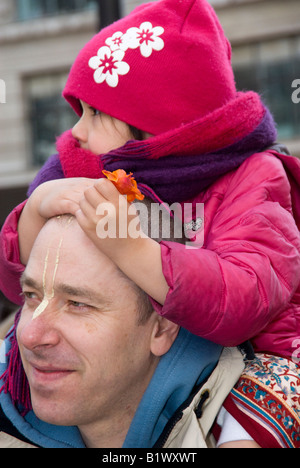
x=179, y=164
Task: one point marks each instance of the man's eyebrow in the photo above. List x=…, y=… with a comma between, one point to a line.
x=68, y=290
x=87, y=293
x=30, y=282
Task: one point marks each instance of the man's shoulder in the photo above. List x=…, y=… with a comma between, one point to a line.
x=192, y=423
x=10, y=437
x=8, y=441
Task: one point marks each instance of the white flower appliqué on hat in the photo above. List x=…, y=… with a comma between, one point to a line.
x=146, y=38
x=108, y=63
x=117, y=41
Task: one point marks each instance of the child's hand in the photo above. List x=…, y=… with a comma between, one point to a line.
x=105, y=216
x=59, y=197
x=50, y=199
x=138, y=256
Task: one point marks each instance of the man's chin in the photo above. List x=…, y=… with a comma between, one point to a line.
x=52, y=412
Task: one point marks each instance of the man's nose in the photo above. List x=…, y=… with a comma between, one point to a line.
x=40, y=331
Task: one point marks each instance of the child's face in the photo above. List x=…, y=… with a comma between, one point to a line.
x=99, y=132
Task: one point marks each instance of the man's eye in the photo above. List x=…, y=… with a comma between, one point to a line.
x=29, y=295
x=31, y=299
x=78, y=305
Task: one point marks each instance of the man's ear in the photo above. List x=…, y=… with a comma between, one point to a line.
x=163, y=336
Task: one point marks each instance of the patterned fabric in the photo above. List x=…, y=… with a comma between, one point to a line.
x=266, y=401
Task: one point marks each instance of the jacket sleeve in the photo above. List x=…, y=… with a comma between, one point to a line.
x=11, y=268
x=248, y=270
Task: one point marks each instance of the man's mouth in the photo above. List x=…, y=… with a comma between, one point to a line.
x=47, y=374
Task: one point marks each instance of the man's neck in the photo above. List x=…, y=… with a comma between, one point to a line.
x=108, y=440
x=111, y=435
x=111, y=429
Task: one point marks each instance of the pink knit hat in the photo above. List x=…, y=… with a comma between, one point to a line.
x=165, y=64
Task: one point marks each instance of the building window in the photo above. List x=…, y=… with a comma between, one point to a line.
x=270, y=69
x=29, y=9
x=49, y=115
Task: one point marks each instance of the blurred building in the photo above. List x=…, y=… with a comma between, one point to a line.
x=39, y=40
x=265, y=38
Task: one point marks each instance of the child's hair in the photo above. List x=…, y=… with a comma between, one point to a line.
x=136, y=133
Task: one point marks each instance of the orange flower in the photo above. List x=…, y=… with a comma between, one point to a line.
x=125, y=183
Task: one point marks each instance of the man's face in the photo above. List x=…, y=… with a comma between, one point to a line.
x=86, y=357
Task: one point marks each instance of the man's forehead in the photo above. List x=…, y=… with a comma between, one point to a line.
x=65, y=263
x=68, y=254
x=55, y=231
x=64, y=245
x=74, y=246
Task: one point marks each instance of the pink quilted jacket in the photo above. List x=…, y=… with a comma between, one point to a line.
x=245, y=281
